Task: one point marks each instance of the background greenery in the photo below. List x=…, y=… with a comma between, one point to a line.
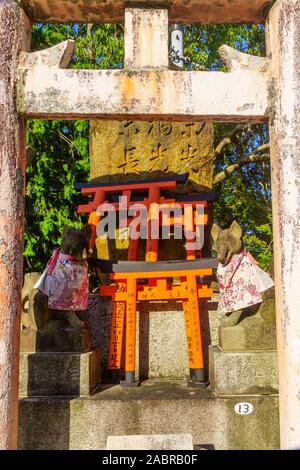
x=58, y=151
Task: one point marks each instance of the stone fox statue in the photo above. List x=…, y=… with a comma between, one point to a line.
x=246, y=294
x=65, y=279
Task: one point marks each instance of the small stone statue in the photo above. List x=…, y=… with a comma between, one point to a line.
x=62, y=292
x=246, y=294
x=65, y=279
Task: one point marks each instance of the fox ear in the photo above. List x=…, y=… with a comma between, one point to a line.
x=236, y=230
x=65, y=231
x=215, y=232
x=88, y=231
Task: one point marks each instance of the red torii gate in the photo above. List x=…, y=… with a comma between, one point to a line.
x=129, y=287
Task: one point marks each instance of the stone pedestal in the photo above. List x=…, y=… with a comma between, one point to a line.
x=59, y=337
x=59, y=374
x=56, y=337
x=243, y=372
x=257, y=336
x=153, y=408
x=161, y=350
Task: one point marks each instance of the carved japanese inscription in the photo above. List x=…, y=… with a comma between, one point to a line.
x=126, y=150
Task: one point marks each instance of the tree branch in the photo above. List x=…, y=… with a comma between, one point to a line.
x=230, y=138
x=253, y=158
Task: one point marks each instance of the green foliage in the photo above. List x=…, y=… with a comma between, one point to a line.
x=58, y=151
x=245, y=195
x=203, y=41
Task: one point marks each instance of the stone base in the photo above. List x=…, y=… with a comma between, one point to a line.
x=28, y=340
x=243, y=373
x=59, y=374
x=152, y=408
x=152, y=442
x=57, y=337
x=240, y=337
x=161, y=349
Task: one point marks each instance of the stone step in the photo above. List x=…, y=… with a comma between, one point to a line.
x=151, y=442
x=59, y=373
x=243, y=372
x=153, y=408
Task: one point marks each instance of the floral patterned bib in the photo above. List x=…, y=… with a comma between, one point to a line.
x=65, y=282
x=241, y=283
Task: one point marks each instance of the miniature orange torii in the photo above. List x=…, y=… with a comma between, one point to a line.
x=153, y=202
x=128, y=289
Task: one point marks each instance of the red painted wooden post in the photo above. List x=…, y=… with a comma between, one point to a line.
x=12, y=188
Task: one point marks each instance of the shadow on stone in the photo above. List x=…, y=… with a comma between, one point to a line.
x=45, y=424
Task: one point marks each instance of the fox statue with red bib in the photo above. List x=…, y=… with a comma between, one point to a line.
x=247, y=296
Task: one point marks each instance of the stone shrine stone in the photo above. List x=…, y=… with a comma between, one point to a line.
x=126, y=150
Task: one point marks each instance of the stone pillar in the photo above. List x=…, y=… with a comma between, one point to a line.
x=12, y=187
x=146, y=38
x=283, y=38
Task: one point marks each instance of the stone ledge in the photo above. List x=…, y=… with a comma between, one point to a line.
x=153, y=408
x=243, y=372
x=110, y=11
x=59, y=374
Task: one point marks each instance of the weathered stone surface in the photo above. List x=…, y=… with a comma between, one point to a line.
x=253, y=328
x=161, y=350
x=153, y=442
x=254, y=334
x=243, y=373
x=58, y=336
x=28, y=323
x=138, y=90
x=55, y=56
x=145, y=27
x=165, y=94
x=236, y=60
x=59, y=374
x=130, y=150
x=215, y=319
x=110, y=11
x=12, y=190
x=153, y=408
x=283, y=40
x=162, y=341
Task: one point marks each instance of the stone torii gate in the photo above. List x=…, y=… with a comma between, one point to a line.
x=38, y=85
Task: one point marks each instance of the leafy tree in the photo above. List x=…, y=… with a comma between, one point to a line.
x=242, y=167
x=58, y=151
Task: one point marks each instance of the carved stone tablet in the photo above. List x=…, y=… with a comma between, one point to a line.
x=126, y=150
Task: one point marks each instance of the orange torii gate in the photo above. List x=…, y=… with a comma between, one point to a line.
x=36, y=85
x=128, y=289
x=152, y=202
